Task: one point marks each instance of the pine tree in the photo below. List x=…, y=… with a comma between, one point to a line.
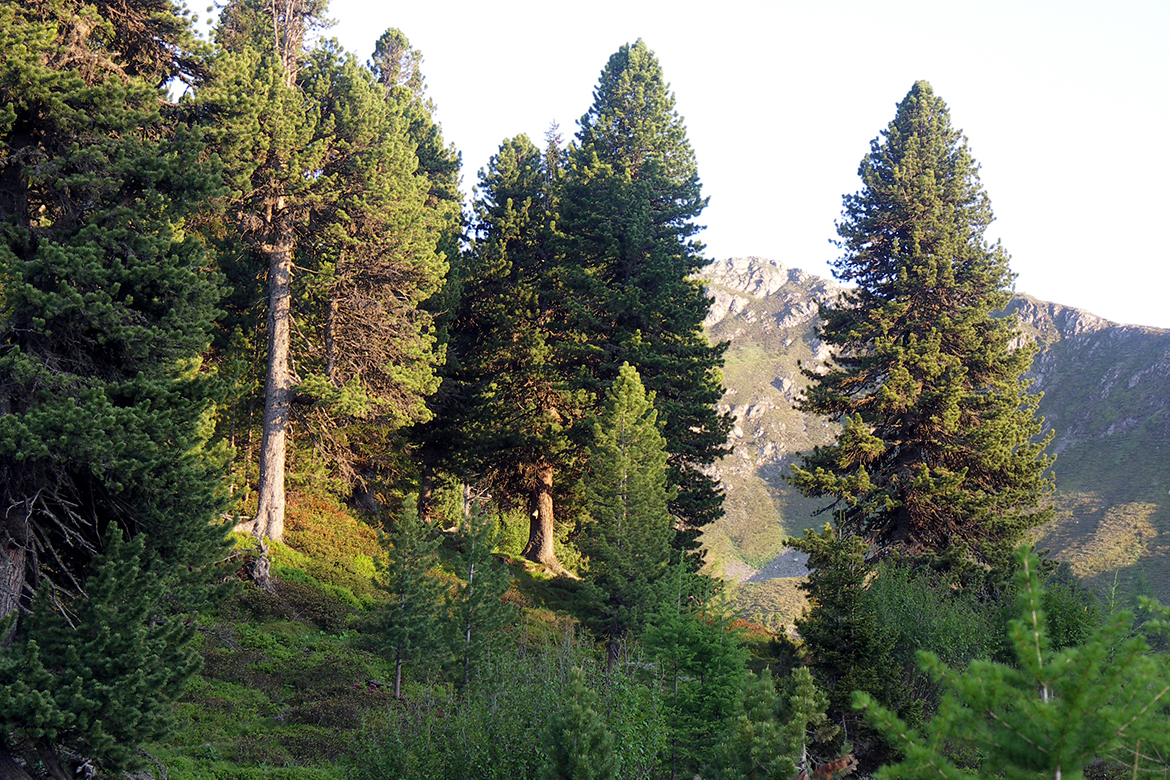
x=517, y=412
x=311, y=146
x=577, y=745
x=700, y=662
x=107, y=301
x=627, y=537
x=1047, y=714
x=411, y=623
x=843, y=639
x=631, y=199
x=771, y=735
x=480, y=613
x=100, y=682
x=939, y=442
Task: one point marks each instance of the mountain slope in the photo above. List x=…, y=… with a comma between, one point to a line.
x=1106, y=395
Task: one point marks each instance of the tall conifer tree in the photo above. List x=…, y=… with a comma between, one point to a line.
x=311, y=146
x=939, y=443
x=107, y=303
x=628, y=213
x=518, y=409
x=106, y=306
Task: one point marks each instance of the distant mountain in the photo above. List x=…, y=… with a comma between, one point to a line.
x=1106, y=396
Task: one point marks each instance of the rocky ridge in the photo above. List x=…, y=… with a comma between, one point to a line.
x=1106, y=399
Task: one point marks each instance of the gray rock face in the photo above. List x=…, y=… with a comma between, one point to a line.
x=1106, y=399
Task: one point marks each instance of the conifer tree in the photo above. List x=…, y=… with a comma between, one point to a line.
x=771, y=734
x=577, y=745
x=480, y=613
x=701, y=664
x=627, y=537
x=939, y=442
x=1047, y=714
x=411, y=623
x=631, y=199
x=311, y=146
x=517, y=410
x=101, y=682
x=107, y=303
x=842, y=637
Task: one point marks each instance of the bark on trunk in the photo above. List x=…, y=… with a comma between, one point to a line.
x=9, y=769
x=277, y=393
x=613, y=650
x=331, y=337
x=13, y=564
x=540, y=529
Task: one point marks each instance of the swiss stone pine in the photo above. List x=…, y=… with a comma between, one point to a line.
x=940, y=444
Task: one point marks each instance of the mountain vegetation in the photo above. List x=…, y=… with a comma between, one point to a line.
x=308, y=473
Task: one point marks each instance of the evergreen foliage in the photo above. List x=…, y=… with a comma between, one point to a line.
x=1045, y=715
x=771, y=734
x=479, y=612
x=106, y=302
x=939, y=444
x=627, y=536
x=700, y=664
x=628, y=213
x=411, y=623
x=518, y=411
x=577, y=745
x=313, y=145
x=94, y=677
x=845, y=642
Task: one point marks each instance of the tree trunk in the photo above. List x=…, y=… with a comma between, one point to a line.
x=613, y=650
x=540, y=529
x=398, y=677
x=13, y=564
x=277, y=391
x=9, y=769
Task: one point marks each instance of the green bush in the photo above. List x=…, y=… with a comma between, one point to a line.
x=491, y=730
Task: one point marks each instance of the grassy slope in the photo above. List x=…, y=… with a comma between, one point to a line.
x=292, y=680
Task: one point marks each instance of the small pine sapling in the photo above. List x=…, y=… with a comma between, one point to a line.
x=577, y=744
x=1047, y=715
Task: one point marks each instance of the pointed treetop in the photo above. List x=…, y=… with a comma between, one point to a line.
x=633, y=119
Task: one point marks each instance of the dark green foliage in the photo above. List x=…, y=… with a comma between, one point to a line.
x=627, y=535
x=1046, y=715
x=577, y=745
x=844, y=640
x=517, y=410
x=106, y=303
x=411, y=622
x=628, y=214
x=479, y=614
x=771, y=733
x=939, y=443
x=96, y=675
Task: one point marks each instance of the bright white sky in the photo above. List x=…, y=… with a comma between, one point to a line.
x=1066, y=106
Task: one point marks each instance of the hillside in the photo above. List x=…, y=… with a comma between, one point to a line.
x=1105, y=399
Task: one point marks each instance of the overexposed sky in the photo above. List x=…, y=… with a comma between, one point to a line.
x=1066, y=106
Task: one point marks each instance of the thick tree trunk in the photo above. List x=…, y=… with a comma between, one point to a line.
x=540, y=547
x=9, y=769
x=13, y=564
x=277, y=392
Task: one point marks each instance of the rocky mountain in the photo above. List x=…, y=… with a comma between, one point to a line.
x=1106, y=397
